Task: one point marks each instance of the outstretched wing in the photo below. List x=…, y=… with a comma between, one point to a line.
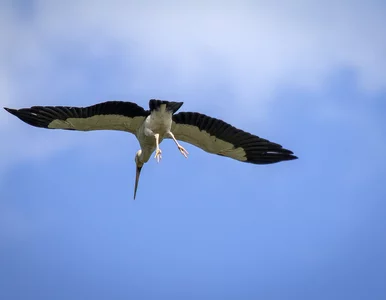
x=216, y=136
x=110, y=115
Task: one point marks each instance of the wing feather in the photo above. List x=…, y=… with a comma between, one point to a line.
x=110, y=115
x=218, y=137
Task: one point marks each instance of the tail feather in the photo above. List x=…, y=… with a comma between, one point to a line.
x=155, y=104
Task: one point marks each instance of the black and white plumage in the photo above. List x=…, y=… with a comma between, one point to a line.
x=153, y=125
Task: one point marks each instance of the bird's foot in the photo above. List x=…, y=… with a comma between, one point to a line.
x=158, y=155
x=183, y=151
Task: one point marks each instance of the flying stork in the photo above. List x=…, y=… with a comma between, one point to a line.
x=153, y=125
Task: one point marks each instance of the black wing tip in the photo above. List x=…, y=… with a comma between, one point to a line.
x=10, y=110
x=290, y=154
x=270, y=157
x=291, y=157
x=15, y=112
x=27, y=116
x=278, y=157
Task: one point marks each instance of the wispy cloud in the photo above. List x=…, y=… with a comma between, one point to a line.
x=256, y=46
x=253, y=46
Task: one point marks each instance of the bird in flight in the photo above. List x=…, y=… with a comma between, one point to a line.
x=152, y=126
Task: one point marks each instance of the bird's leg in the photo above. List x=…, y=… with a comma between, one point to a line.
x=158, y=151
x=182, y=149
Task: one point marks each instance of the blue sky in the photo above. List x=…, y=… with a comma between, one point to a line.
x=308, y=75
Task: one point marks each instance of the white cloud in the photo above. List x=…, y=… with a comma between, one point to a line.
x=251, y=47
x=254, y=46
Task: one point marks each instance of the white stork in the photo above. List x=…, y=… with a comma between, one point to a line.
x=153, y=125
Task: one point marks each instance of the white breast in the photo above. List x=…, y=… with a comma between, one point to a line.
x=157, y=122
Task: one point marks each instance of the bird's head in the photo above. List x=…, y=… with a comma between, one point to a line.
x=138, y=166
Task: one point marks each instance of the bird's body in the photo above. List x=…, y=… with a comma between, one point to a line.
x=159, y=121
x=152, y=126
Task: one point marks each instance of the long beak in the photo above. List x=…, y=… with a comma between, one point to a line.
x=137, y=179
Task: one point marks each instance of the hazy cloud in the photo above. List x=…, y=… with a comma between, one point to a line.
x=253, y=46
